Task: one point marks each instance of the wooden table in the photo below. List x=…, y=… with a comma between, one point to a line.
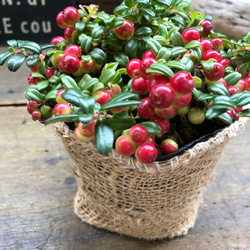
x=37, y=188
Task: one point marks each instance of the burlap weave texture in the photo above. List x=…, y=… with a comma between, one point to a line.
x=151, y=201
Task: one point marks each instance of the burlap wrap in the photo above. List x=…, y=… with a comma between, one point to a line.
x=147, y=201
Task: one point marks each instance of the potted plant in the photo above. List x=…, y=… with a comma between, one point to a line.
x=144, y=101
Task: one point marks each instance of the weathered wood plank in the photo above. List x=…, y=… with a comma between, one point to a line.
x=37, y=188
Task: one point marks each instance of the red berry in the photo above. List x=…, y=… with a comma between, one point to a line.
x=247, y=81
x=149, y=53
x=216, y=73
x=146, y=153
x=163, y=123
x=161, y=96
x=145, y=64
x=190, y=34
x=166, y=112
x=124, y=31
x=70, y=15
x=145, y=110
x=217, y=43
x=214, y=54
x=206, y=44
x=68, y=32
x=207, y=27
x=102, y=96
x=181, y=101
x=73, y=49
x=241, y=85
x=157, y=79
x=69, y=64
x=60, y=21
x=138, y=134
x=225, y=62
x=232, y=90
x=134, y=68
x=182, y=82
x=57, y=39
x=124, y=145
x=169, y=146
x=140, y=85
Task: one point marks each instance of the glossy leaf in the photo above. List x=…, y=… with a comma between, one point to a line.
x=15, y=62
x=226, y=118
x=159, y=68
x=223, y=100
x=80, y=26
x=219, y=89
x=232, y=78
x=154, y=45
x=176, y=39
x=85, y=118
x=151, y=127
x=208, y=65
x=87, y=104
x=62, y=118
x=4, y=56
x=241, y=99
x=176, y=64
x=69, y=82
x=104, y=136
x=192, y=44
x=177, y=51
x=52, y=94
x=12, y=43
x=121, y=123
x=119, y=104
x=215, y=111
x=42, y=85
x=121, y=58
x=32, y=46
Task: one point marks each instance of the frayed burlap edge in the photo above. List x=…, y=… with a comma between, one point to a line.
x=151, y=201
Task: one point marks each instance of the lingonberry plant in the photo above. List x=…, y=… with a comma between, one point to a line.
x=145, y=80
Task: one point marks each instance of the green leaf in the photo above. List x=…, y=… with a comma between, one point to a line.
x=106, y=75
x=98, y=86
x=36, y=74
x=31, y=62
x=121, y=97
x=163, y=53
x=87, y=104
x=99, y=55
x=120, y=8
x=232, y=78
x=12, y=43
x=164, y=31
x=62, y=118
x=104, y=136
x=118, y=21
x=85, y=118
x=160, y=68
x=176, y=64
x=208, y=65
x=97, y=33
x=15, y=62
x=80, y=26
x=4, y=56
x=248, y=38
x=121, y=58
x=86, y=44
x=143, y=31
x=32, y=46
x=89, y=83
x=176, y=51
x=69, y=82
x=119, y=104
x=241, y=99
x=192, y=44
x=52, y=94
x=72, y=96
x=176, y=39
x=219, y=89
x=224, y=100
x=215, y=111
x=121, y=123
x=245, y=113
x=129, y=3
x=226, y=118
x=188, y=62
x=131, y=46
x=42, y=85
x=154, y=45
x=164, y=2
x=151, y=127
